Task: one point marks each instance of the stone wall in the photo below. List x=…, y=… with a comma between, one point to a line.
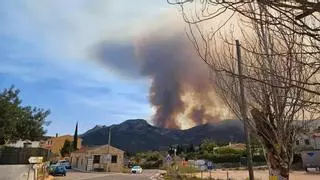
x=12, y=155
x=16, y=172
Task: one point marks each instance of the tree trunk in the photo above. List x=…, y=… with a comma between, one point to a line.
x=277, y=169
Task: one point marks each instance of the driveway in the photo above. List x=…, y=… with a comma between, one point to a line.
x=146, y=175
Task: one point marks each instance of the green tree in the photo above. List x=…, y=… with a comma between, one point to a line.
x=75, y=138
x=179, y=150
x=190, y=149
x=67, y=148
x=208, y=146
x=18, y=121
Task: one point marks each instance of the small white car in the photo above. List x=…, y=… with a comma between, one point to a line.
x=136, y=169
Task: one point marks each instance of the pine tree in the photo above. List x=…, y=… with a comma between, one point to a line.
x=66, y=149
x=75, y=138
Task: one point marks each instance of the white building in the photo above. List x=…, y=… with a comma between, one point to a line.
x=308, y=142
x=310, y=138
x=24, y=144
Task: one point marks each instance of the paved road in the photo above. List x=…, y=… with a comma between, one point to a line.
x=146, y=175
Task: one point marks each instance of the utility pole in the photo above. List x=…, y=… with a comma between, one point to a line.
x=243, y=110
x=109, y=142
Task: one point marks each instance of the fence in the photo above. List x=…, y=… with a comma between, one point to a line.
x=12, y=155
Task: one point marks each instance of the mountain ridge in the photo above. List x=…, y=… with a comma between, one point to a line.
x=135, y=135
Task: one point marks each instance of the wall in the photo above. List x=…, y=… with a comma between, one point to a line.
x=12, y=155
x=314, y=142
x=102, y=150
x=81, y=163
x=301, y=138
x=56, y=143
x=16, y=172
x=20, y=144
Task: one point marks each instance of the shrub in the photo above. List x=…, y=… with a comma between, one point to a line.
x=228, y=150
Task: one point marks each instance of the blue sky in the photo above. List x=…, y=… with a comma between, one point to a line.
x=45, y=50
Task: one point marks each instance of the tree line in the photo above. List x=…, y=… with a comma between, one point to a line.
x=215, y=152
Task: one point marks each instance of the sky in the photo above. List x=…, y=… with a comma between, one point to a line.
x=46, y=50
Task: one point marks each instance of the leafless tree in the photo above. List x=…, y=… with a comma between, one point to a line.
x=281, y=70
x=299, y=17
x=304, y=14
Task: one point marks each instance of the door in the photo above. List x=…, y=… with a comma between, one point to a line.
x=90, y=163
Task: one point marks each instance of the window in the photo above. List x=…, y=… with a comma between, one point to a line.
x=27, y=145
x=96, y=159
x=297, y=142
x=306, y=141
x=114, y=159
x=77, y=161
x=81, y=162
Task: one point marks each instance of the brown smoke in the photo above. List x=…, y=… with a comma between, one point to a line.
x=181, y=91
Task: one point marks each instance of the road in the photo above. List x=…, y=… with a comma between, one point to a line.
x=146, y=175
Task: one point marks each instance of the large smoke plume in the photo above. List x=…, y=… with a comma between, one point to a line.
x=181, y=91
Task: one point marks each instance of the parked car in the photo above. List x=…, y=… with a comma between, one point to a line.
x=311, y=160
x=136, y=169
x=57, y=170
x=64, y=163
x=312, y=168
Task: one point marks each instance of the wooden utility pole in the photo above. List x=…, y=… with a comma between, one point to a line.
x=243, y=110
x=109, y=156
x=109, y=140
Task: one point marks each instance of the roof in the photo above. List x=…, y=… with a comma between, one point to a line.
x=84, y=149
x=64, y=136
x=237, y=146
x=43, y=138
x=90, y=149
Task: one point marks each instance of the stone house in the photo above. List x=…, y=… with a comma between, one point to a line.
x=308, y=142
x=54, y=144
x=98, y=159
x=309, y=138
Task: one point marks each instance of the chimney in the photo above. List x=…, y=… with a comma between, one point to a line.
x=56, y=134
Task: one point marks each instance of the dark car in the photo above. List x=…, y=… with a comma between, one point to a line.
x=57, y=170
